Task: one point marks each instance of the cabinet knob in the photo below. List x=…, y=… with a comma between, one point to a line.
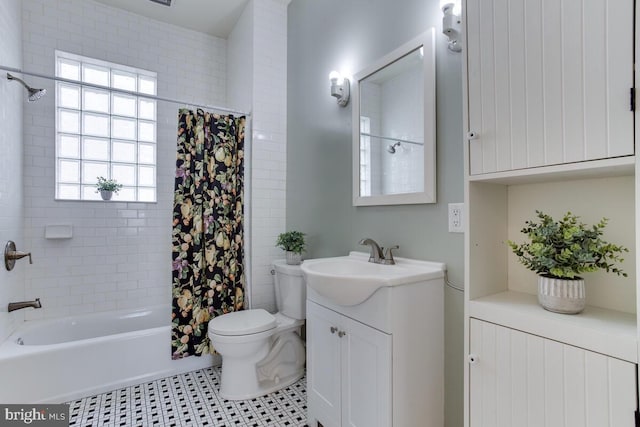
x=333, y=329
x=472, y=359
x=472, y=135
x=341, y=334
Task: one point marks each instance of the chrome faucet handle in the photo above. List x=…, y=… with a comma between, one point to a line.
x=20, y=254
x=388, y=255
x=11, y=255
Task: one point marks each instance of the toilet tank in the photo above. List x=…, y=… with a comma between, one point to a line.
x=291, y=290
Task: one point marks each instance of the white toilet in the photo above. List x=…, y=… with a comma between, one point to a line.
x=262, y=352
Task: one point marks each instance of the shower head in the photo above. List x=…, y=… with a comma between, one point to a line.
x=392, y=148
x=34, y=94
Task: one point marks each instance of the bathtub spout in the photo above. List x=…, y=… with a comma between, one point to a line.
x=24, y=304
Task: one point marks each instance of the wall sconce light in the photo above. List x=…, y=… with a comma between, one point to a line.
x=451, y=23
x=340, y=88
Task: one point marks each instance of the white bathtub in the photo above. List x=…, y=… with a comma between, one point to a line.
x=72, y=357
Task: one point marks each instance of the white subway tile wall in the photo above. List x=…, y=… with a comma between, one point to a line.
x=12, y=95
x=120, y=253
x=269, y=172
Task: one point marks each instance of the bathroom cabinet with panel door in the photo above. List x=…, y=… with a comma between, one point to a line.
x=523, y=379
x=549, y=83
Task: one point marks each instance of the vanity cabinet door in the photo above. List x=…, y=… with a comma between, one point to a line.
x=348, y=371
x=323, y=367
x=519, y=379
x=548, y=82
x=366, y=375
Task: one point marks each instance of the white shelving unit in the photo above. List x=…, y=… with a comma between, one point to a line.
x=545, y=137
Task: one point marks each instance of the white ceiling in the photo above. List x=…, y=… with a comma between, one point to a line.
x=215, y=17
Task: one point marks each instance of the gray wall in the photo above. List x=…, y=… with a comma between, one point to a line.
x=336, y=34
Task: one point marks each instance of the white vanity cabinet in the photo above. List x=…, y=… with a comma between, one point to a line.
x=519, y=379
x=349, y=371
x=548, y=82
x=379, y=363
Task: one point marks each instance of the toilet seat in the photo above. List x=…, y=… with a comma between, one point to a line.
x=243, y=322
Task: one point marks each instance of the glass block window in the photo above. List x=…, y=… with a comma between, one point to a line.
x=365, y=156
x=104, y=132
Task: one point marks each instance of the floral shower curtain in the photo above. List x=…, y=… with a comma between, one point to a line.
x=208, y=241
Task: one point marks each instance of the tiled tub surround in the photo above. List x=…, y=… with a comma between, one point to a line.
x=119, y=256
x=190, y=399
x=72, y=357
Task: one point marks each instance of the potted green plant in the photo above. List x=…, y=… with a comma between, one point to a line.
x=293, y=243
x=559, y=252
x=106, y=187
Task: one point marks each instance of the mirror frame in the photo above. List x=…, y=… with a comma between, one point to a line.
x=427, y=41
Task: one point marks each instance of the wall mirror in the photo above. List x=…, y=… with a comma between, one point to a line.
x=394, y=156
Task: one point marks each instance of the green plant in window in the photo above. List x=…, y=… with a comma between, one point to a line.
x=105, y=184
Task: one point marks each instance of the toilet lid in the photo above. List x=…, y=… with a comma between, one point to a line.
x=243, y=322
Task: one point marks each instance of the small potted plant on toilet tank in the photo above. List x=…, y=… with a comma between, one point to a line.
x=293, y=243
x=106, y=187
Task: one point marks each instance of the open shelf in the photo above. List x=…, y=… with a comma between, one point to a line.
x=609, y=332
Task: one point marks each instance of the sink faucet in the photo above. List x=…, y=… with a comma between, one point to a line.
x=377, y=254
x=24, y=304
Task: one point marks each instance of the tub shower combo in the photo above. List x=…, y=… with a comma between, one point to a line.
x=62, y=359
x=78, y=356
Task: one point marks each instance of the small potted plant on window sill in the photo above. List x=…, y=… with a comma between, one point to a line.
x=559, y=252
x=293, y=243
x=106, y=187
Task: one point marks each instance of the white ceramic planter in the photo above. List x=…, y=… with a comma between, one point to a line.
x=106, y=195
x=561, y=295
x=293, y=258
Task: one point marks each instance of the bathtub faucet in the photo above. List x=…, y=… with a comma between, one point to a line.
x=24, y=304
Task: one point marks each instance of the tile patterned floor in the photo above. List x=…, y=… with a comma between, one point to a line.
x=189, y=400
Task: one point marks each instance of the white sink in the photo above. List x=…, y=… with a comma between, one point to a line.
x=350, y=280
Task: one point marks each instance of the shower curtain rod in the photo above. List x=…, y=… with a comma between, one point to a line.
x=126, y=92
x=408, y=141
